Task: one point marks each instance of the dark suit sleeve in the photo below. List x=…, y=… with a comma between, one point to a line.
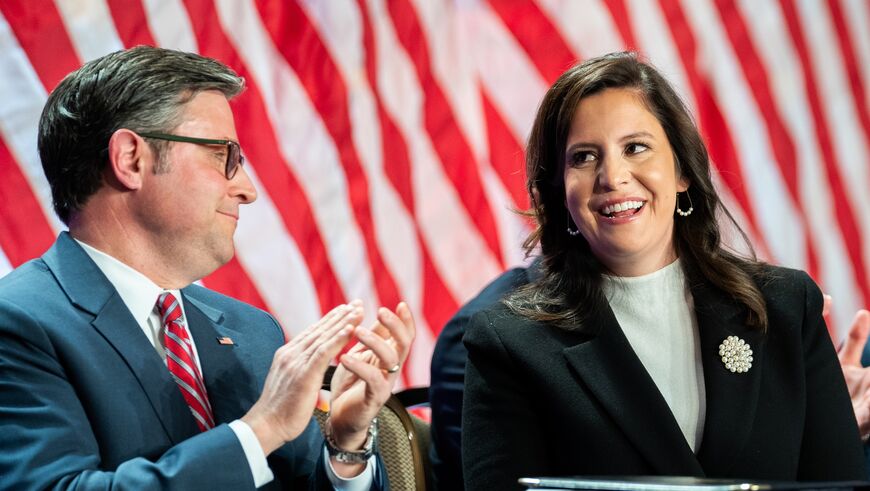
x=445, y=398
x=47, y=441
x=447, y=381
x=502, y=437
x=831, y=448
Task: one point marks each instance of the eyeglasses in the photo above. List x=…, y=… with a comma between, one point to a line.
x=234, y=152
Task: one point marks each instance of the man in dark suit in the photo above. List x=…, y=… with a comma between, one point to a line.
x=115, y=370
x=448, y=378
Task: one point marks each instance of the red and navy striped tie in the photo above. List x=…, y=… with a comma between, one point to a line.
x=179, y=360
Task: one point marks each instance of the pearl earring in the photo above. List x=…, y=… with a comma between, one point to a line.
x=687, y=212
x=573, y=232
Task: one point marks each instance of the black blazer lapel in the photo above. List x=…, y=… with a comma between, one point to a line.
x=732, y=398
x=617, y=378
x=231, y=390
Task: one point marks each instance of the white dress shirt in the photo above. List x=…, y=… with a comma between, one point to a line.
x=140, y=294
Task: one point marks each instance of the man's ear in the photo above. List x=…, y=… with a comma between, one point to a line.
x=129, y=158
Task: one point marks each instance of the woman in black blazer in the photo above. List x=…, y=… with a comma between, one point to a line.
x=645, y=347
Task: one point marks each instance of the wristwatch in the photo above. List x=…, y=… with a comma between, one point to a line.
x=356, y=456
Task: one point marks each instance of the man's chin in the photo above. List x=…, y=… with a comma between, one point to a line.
x=213, y=259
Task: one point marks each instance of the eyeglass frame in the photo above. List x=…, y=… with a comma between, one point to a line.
x=230, y=168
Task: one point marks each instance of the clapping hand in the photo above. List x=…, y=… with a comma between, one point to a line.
x=284, y=409
x=365, y=376
x=857, y=377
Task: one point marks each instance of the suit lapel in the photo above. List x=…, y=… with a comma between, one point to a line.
x=617, y=378
x=732, y=398
x=88, y=289
x=117, y=325
x=229, y=395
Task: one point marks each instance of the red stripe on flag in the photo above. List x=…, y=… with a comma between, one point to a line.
x=25, y=232
x=537, y=35
x=261, y=146
x=780, y=139
x=299, y=42
x=397, y=163
x=453, y=149
x=712, y=123
x=845, y=215
x=130, y=22
x=42, y=34
x=850, y=64
x=438, y=303
x=619, y=13
x=231, y=279
x=505, y=154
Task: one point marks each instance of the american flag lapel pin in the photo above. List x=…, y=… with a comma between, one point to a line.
x=226, y=340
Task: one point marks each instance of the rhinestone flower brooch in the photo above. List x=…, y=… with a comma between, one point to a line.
x=736, y=354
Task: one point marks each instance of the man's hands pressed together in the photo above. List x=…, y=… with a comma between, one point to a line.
x=361, y=385
x=284, y=408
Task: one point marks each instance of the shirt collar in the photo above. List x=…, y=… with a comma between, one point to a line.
x=138, y=292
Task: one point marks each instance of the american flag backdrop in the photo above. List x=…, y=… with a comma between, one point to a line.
x=386, y=136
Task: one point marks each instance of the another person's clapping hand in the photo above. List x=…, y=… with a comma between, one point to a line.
x=857, y=376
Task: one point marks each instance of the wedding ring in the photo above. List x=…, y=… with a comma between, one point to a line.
x=394, y=369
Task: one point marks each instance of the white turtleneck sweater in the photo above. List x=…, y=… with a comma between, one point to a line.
x=656, y=314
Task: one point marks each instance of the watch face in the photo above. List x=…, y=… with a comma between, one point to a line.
x=353, y=458
x=356, y=457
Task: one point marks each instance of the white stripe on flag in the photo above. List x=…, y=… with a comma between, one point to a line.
x=654, y=37
x=507, y=75
x=170, y=24
x=512, y=228
x=771, y=39
x=394, y=227
x=857, y=14
x=453, y=65
x=274, y=263
x=5, y=266
x=453, y=70
x=460, y=255
x=586, y=26
x=90, y=26
x=777, y=216
x=848, y=141
x=23, y=97
x=306, y=145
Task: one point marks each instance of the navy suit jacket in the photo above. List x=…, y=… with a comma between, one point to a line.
x=87, y=403
x=448, y=379
x=541, y=401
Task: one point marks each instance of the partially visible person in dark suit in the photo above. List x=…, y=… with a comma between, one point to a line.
x=646, y=347
x=116, y=371
x=448, y=378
